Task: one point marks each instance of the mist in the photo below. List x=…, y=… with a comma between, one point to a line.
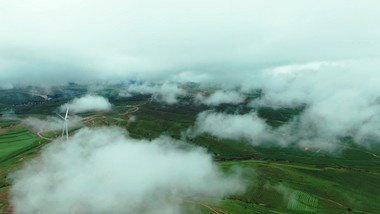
x=51, y=123
x=166, y=92
x=103, y=170
x=220, y=97
x=8, y=115
x=341, y=99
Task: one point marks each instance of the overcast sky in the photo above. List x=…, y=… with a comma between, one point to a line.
x=50, y=42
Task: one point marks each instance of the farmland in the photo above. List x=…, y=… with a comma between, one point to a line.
x=280, y=180
x=16, y=146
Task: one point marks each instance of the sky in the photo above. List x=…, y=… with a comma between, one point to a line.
x=53, y=42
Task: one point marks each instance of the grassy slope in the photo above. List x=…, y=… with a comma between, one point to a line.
x=307, y=172
x=155, y=119
x=16, y=141
x=337, y=189
x=16, y=146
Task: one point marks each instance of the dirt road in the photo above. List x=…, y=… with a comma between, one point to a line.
x=136, y=108
x=86, y=120
x=39, y=134
x=216, y=211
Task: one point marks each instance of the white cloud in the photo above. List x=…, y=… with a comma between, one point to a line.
x=285, y=191
x=166, y=92
x=8, y=115
x=341, y=100
x=291, y=69
x=104, y=171
x=132, y=119
x=124, y=93
x=6, y=86
x=220, y=97
x=87, y=103
x=247, y=127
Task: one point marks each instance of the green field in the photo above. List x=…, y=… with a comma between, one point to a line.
x=300, y=201
x=280, y=180
x=16, y=141
x=319, y=182
x=305, y=187
x=16, y=146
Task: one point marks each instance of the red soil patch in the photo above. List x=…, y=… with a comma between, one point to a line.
x=9, y=210
x=4, y=197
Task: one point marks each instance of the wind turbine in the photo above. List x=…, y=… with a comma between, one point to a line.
x=65, y=127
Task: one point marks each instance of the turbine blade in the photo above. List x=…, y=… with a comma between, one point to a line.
x=67, y=132
x=67, y=112
x=63, y=130
x=61, y=116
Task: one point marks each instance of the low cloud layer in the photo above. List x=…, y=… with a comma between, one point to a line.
x=341, y=99
x=52, y=123
x=104, y=171
x=87, y=103
x=300, y=132
x=6, y=86
x=247, y=127
x=220, y=97
x=166, y=92
x=8, y=115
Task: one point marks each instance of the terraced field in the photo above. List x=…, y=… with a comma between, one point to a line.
x=280, y=180
x=16, y=145
x=301, y=201
x=284, y=187
x=16, y=141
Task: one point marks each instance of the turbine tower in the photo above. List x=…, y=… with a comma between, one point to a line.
x=65, y=126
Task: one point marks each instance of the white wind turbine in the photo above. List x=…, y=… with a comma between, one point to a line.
x=65, y=126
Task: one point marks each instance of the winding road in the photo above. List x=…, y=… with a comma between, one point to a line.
x=136, y=108
x=210, y=208
x=39, y=134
